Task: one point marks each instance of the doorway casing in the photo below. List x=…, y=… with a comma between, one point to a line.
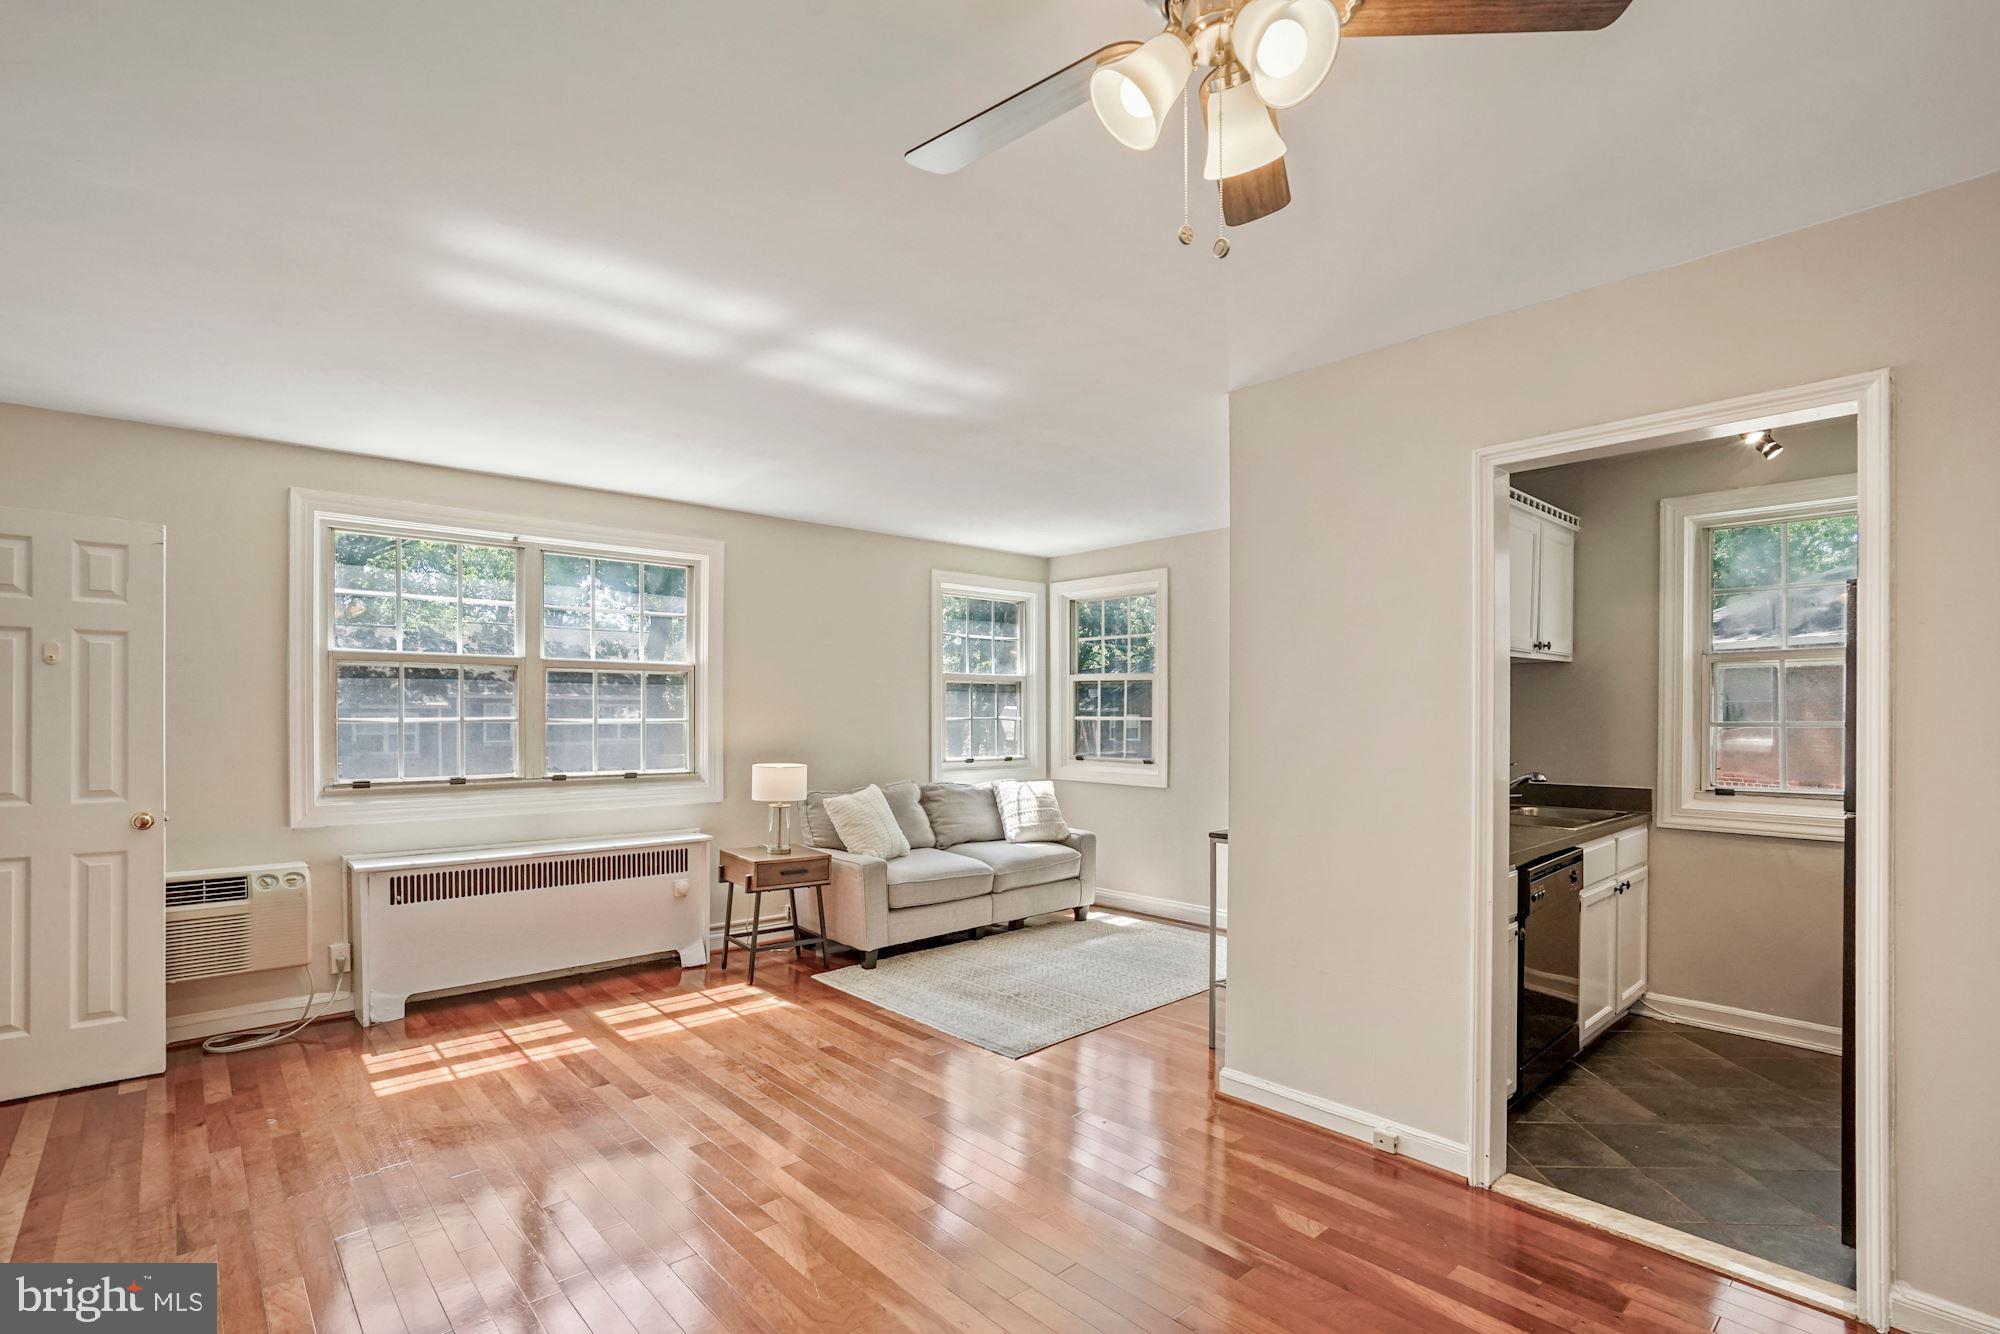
x=1867, y=399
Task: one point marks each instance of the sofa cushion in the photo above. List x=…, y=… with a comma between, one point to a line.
x=1017, y=865
x=905, y=803
x=931, y=875
x=962, y=813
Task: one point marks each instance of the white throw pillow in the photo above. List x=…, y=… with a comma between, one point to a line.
x=867, y=825
x=1029, y=812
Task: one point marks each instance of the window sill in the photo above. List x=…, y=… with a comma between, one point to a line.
x=1119, y=775
x=1813, y=821
x=328, y=810
x=957, y=771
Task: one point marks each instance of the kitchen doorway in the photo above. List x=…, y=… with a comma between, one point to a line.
x=1851, y=1059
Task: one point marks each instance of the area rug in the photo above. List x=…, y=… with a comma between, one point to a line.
x=1017, y=992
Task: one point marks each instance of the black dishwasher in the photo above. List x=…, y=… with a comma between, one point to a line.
x=1548, y=1021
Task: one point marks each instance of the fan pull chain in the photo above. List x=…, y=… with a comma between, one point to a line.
x=1187, y=217
x=1221, y=247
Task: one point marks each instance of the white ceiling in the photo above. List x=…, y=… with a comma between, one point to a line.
x=672, y=249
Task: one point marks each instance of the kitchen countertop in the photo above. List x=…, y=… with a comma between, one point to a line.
x=1624, y=807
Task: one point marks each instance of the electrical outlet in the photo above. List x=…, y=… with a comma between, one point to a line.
x=338, y=957
x=1385, y=1139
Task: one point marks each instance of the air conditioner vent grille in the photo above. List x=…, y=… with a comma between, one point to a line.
x=215, y=889
x=467, y=882
x=208, y=947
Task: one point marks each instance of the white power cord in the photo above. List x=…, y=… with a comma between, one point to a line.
x=249, y=1039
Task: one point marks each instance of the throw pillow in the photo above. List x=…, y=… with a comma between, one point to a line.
x=1029, y=812
x=962, y=813
x=866, y=824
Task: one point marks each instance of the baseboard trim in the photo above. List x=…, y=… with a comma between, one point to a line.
x=1174, y=910
x=1421, y=1145
x=1747, y=1023
x=257, y=1014
x=1923, y=1313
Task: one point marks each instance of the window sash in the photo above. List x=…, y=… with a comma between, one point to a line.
x=957, y=632
x=1093, y=621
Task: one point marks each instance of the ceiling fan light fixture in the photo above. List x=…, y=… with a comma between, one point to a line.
x=1287, y=46
x=1248, y=138
x=1132, y=95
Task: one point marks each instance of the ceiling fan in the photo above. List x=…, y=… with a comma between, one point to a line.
x=1259, y=57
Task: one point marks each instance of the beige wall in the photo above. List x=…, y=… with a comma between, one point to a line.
x=826, y=656
x=1733, y=919
x=1153, y=842
x=1350, y=489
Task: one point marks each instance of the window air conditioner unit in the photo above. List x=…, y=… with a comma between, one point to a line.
x=245, y=919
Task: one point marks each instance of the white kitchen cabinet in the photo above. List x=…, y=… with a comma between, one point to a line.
x=1631, y=971
x=1597, y=966
x=1541, y=580
x=1507, y=1042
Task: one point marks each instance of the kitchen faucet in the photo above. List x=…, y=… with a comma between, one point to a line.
x=1530, y=777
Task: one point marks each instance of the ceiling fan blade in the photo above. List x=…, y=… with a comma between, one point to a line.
x=1427, y=18
x=1256, y=194
x=1001, y=124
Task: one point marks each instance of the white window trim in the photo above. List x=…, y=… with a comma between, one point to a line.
x=1062, y=718
x=946, y=583
x=1684, y=801
x=316, y=804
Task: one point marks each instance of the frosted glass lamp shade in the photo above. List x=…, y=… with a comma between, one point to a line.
x=777, y=782
x=1133, y=94
x=1248, y=138
x=1287, y=46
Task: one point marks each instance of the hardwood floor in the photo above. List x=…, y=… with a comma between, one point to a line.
x=647, y=1150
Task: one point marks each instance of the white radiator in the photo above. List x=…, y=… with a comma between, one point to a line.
x=460, y=919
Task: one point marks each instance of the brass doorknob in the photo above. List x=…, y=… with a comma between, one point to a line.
x=143, y=820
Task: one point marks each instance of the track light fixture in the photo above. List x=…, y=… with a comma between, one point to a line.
x=1766, y=444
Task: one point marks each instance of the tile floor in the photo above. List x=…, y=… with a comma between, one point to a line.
x=1725, y=1137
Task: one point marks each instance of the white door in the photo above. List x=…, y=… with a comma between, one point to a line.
x=1555, y=590
x=1597, y=961
x=1632, y=938
x=82, y=930
x=1523, y=529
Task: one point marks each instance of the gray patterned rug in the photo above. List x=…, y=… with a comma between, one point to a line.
x=1020, y=991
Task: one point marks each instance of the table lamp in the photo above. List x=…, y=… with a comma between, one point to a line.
x=780, y=785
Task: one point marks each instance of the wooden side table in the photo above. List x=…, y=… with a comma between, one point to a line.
x=757, y=873
x=1216, y=838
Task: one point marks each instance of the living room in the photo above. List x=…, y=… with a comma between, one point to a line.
x=625, y=706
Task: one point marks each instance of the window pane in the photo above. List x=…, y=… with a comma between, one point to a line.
x=1822, y=549
x=1010, y=737
x=666, y=746
x=569, y=748
x=1746, y=756
x=617, y=697
x=666, y=639
x=1086, y=739
x=1007, y=657
x=569, y=695
x=1010, y=701
x=429, y=626
x=1116, y=616
x=666, y=589
x=1111, y=740
x=489, y=575
x=958, y=701
x=1815, y=692
x=954, y=653
x=980, y=656
x=364, y=690
x=1089, y=656
x=957, y=619
x=365, y=752
x=958, y=739
x=489, y=749
x=1111, y=699
x=618, y=748
x=1139, y=742
x=666, y=696
x=1141, y=654
x=1086, y=699
x=1089, y=619
x=609, y=646
x=1747, y=557
x=1139, y=699
x=430, y=569
x=1816, y=614
x=616, y=605
x=363, y=562
x=1815, y=759
x=565, y=643
x=430, y=692
x=979, y=615
x=489, y=692
x=1007, y=620
x=1746, y=694
x=364, y=621
x=984, y=705
x=1745, y=620
x=566, y=582
x=430, y=749
x=1139, y=620
x=984, y=738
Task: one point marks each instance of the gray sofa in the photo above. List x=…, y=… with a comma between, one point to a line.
x=961, y=874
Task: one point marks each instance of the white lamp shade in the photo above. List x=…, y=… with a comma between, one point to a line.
x=777, y=782
x=1132, y=95
x=1248, y=137
x=1287, y=46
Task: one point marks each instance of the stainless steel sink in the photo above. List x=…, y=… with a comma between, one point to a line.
x=1558, y=817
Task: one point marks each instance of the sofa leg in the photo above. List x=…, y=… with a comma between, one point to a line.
x=1083, y=912
x=868, y=958
x=1017, y=924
